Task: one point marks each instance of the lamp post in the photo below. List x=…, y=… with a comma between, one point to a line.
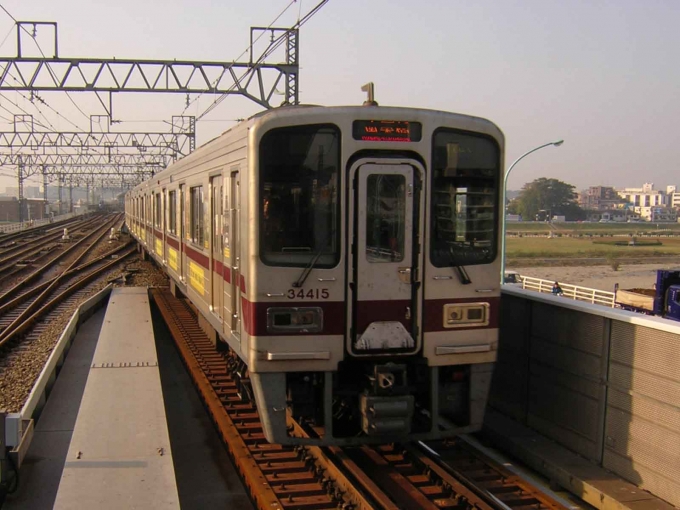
x=505, y=189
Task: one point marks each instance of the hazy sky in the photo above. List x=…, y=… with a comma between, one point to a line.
x=602, y=75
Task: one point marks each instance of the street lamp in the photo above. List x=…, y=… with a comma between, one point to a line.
x=505, y=189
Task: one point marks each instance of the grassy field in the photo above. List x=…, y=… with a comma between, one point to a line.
x=593, y=228
x=569, y=247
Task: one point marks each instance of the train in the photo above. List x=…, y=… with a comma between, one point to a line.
x=347, y=260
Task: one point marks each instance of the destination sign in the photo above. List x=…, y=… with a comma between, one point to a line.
x=387, y=131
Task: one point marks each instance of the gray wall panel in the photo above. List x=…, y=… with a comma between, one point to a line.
x=601, y=382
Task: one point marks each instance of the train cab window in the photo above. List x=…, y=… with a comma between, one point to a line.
x=197, y=215
x=385, y=218
x=299, y=203
x=172, y=212
x=464, y=211
x=158, y=222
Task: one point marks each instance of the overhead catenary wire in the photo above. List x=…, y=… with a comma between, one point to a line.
x=272, y=47
x=49, y=68
x=290, y=4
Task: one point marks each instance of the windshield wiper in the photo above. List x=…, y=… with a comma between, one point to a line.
x=307, y=270
x=463, y=275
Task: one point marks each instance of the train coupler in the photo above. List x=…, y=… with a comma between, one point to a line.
x=386, y=407
x=386, y=415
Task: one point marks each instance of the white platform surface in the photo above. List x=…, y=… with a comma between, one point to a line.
x=119, y=456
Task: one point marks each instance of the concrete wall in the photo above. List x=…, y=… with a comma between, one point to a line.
x=604, y=383
x=9, y=210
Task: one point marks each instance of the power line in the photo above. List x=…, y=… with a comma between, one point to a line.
x=272, y=47
x=8, y=14
x=244, y=52
x=49, y=68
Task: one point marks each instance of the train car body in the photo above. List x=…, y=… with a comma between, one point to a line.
x=347, y=256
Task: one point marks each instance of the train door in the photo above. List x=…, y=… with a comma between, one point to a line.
x=217, y=273
x=235, y=252
x=386, y=217
x=182, y=233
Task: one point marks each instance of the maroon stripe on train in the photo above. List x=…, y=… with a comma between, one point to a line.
x=433, y=313
x=197, y=256
x=386, y=310
x=173, y=242
x=255, y=316
x=158, y=233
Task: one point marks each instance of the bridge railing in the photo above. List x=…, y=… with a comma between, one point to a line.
x=576, y=292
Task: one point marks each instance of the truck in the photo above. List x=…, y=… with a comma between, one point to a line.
x=663, y=300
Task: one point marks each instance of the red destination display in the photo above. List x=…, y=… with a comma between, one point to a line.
x=387, y=131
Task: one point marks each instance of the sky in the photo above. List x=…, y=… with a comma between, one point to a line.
x=603, y=76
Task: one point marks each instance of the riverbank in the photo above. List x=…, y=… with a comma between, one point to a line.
x=601, y=277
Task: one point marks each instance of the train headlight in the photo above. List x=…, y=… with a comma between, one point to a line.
x=467, y=315
x=294, y=320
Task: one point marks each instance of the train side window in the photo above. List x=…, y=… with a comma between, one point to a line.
x=158, y=222
x=172, y=212
x=196, y=205
x=464, y=210
x=299, y=202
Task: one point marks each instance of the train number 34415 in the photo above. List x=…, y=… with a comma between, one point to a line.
x=308, y=294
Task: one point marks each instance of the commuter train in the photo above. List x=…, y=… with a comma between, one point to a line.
x=347, y=258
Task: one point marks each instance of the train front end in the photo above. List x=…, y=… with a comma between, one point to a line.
x=373, y=271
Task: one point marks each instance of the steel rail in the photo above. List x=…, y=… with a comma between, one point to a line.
x=277, y=477
x=486, y=477
x=28, y=322
x=4, y=237
x=389, y=476
x=4, y=308
x=41, y=270
x=13, y=328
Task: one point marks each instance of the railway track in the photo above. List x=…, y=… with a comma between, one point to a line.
x=23, y=254
x=31, y=304
x=440, y=475
x=42, y=253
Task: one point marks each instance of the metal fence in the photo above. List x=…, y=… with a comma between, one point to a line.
x=595, y=296
x=16, y=227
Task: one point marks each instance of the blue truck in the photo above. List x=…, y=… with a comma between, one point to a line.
x=663, y=300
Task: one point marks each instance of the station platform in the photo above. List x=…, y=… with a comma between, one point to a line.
x=120, y=453
x=123, y=430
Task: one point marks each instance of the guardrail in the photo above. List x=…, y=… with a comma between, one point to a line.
x=15, y=227
x=595, y=296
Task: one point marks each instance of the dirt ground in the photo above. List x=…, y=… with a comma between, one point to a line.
x=599, y=277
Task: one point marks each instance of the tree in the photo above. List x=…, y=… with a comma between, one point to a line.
x=546, y=198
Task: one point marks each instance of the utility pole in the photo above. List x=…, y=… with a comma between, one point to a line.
x=60, y=177
x=20, y=176
x=45, y=203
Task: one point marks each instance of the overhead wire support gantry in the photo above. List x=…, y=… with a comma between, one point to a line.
x=53, y=152
x=54, y=73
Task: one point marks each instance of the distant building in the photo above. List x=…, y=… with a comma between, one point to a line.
x=646, y=196
x=29, y=191
x=34, y=209
x=599, y=198
x=674, y=200
x=658, y=214
x=614, y=215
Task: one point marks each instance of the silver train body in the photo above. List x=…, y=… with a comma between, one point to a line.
x=348, y=259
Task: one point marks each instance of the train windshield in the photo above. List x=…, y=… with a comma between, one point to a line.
x=299, y=208
x=465, y=177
